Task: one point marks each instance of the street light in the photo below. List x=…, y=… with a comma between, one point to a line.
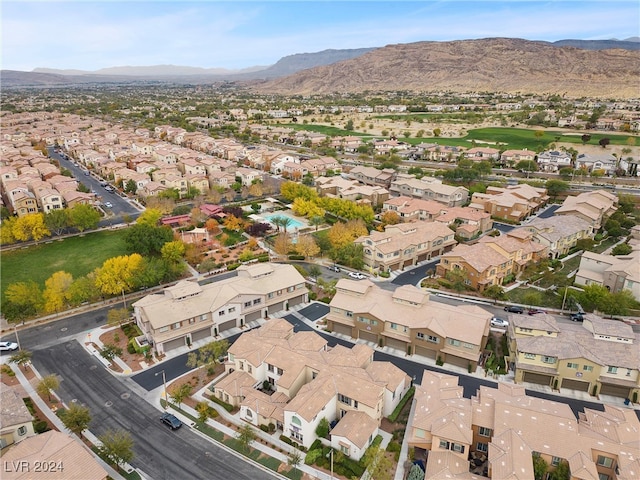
x=15, y=328
x=164, y=387
x=331, y=454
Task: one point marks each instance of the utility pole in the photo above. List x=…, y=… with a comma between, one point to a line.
x=164, y=387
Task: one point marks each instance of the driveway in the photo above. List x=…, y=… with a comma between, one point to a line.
x=161, y=453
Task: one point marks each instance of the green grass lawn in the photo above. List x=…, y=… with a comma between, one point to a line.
x=76, y=255
x=327, y=130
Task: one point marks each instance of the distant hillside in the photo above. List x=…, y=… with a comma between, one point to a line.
x=493, y=65
x=632, y=43
x=151, y=71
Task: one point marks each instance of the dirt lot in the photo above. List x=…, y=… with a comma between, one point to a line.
x=117, y=337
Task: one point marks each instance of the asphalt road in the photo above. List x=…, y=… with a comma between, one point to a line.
x=115, y=403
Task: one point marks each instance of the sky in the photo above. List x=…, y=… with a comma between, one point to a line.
x=88, y=35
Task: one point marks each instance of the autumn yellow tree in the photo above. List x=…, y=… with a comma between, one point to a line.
x=6, y=231
x=307, y=208
x=30, y=227
x=118, y=274
x=282, y=243
x=293, y=190
x=390, y=218
x=173, y=251
x=55, y=291
x=307, y=246
x=255, y=190
x=212, y=226
x=151, y=217
x=233, y=223
x=341, y=234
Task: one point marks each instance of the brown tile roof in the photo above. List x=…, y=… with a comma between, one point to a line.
x=357, y=427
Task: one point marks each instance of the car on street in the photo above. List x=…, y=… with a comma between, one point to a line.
x=108, y=204
x=535, y=311
x=109, y=188
x=334, y=268
x=357, y=275
x=499, y=322
x=8, y=346
x=577, y=317
x=171, y=421
x=514, y=309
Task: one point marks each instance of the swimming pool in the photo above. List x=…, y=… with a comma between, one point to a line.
x=294, y=223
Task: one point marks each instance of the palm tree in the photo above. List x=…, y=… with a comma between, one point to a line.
x=21, y=358
x=281, y=221
x=316, y=221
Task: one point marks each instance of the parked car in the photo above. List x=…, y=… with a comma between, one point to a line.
x=8, y=346
x=535, y=311
x=577, y=317
x=109, y=188
x=335, y=268
x=499, y=322
x=357, y=275
x=514, y=309
x=108, y=204
x=171, y=421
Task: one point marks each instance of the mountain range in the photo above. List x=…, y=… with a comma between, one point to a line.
x=600, y=68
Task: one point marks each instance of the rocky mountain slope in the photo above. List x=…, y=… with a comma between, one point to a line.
x=495, y=65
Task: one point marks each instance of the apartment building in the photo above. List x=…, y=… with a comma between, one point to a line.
x=616, y=273
x=407, y=320
x=294, y=380
x=188, y=312
x=499, y=432
x=513, y=203
x=373, y=176
x=338, y=187
x=405, y=244
x=599, y=356
x=410, y=209
x=468, y=222
x=429, y=188
x=594, y=207
x=492, y=260
x=559, y=233
x=16, y=423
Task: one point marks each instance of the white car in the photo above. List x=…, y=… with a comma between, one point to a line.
x=357, y=275
x=8, y=346
x=108, y=204
x=499, y=322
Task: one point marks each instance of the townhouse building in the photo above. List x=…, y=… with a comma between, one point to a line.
x=467, y=222
x=594, y=207
x=410, y=209
x=407, y=320
x=441, y=153
x=339, y=187
x=429, y=188
x=188, y=312
x=405, y=244
x=373, y=176
x=512, y=157
x=493, y=260
x=294, y=380
x=599, y=356
x=499, y=432
x=559, y=233
x=16, y=422
x=616, y=273
x=513, y=203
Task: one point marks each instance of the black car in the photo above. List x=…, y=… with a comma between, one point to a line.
x=577, y=317
x=536, y=311
x=171, y=421
x=514, y=309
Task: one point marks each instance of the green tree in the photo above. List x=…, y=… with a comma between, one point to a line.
x=561, y=472
x=21, y=358
x=314, y=272
x=496, y=292
x=82, y=289
x=76, y=418
x=246, y=435
x=204, y=411
x=145, y=239
x=556, y=187
x=110, y=351
x=84, y=217
x=294, y=459
x=532, y=298
x=617, y=303
x=622, y=249
x=117, y=446
x=150, y=217
x=457, y=277
x=377, y=463
x=416, y=473
x=179, y=393
x=322, y=430
x=526, y=166
x=48, y=384
x=540, y=467
x=131, y=186
x=593, y=297
x=57, y=220
x=349, y=125
x=208, y=355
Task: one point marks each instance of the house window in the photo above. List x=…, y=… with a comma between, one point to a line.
x=296, y=421
x=296, y=436
x=484, y=432
x=420, y=335
x=279, y=371
x=257, y=301
x=270, y=367
x=22, y=431
x=394, y=326
x=613, y=370
x=604, y=461
x=603, y=476
x=444, y=444
x=247, y=304
x=175, y=326
x=572, y=365
x=482, y=447
x=555, y=461
x=232, y=309
x=204, y=317
x=529, y=356
x=221, y=313
x=249, y=369
x=344, y=399
x=344, y=449
x=587, y=368
x=350, y=314
x=546, y=359
x=192, y=320
x=433, y=339
x=453, y=341
x=456, y=447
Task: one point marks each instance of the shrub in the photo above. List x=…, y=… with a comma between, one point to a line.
x=396, y=412
x=326, y=300
x=233, y=266
x=264, y=428
x=296, y=257
x=439, y=361
x=385, y=274
x=313, y=456
x=227, y=406
x=263, y=258
x=40, y=426
x=393, y=447
x=313, y=295
x=211, y=371
x=286, y=439
x=130, y=348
